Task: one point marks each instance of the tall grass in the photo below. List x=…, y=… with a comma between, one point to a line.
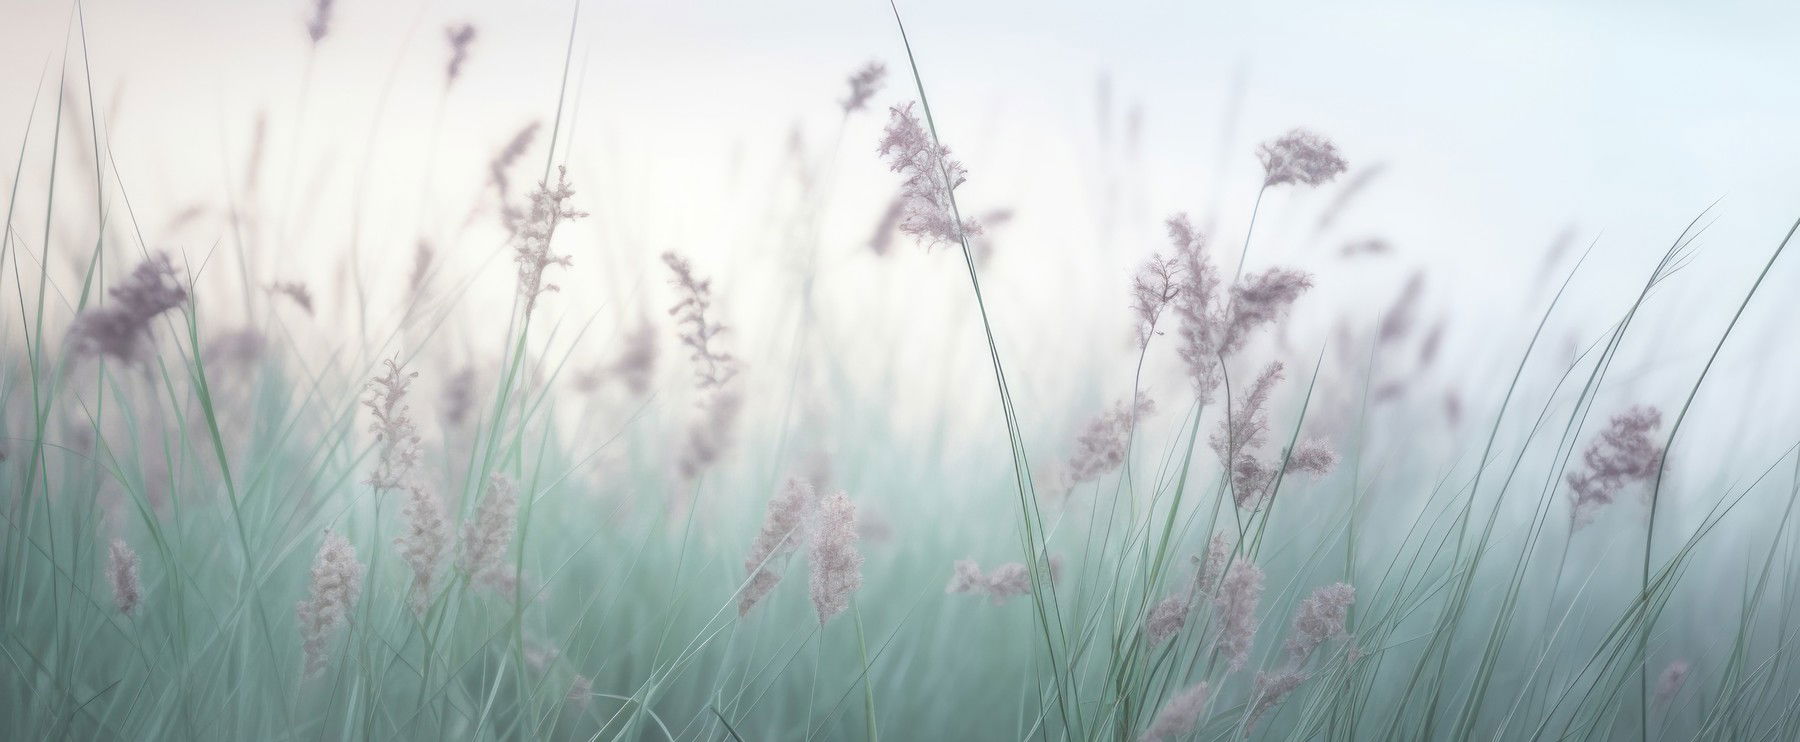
x=202, y=539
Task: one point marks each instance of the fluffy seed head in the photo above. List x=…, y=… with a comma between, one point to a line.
x=931, y=178
x=425, y=542
x=1179, y=715
x=1235, y=608
x=336, y=583
x=320, y=24
x=863, y=86
x=1669, y=683
x=1102, y=447
x=549, y=208
x=118, y=328
x=783, y=531
x=122, y=572
x=1320, y=617
x=394, y=430
x=1005, y=581
x=1623, y=454
x=1313, y=457
x=488, y=533
x=460, y=36
x=1299, y=156
x=836, y=564
x=1270, y=689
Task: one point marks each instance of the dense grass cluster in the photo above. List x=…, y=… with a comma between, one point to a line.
x=220, y=527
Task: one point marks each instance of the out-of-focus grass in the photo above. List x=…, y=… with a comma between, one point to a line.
x=1479, y=612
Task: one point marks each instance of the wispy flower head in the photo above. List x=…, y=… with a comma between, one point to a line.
x=1235, y=607
x=1299, y=156
x=394, y=430
x=1008, y=580
x=488, y=533
x=1102, y=447
x=931, y=177
x=1202, y=319
x=1313, y=457
x=460, y=36
x=783, y=531
x=296, y=292
x=549, y=208
x=581, y=690
x=1242, y=432
x=1260, y=299
x=503, y=160
x=122, y=572
x=864, y=85
x=1270, y=689
x=883, y=239
x=320, y=24
x=426, y=541
x=713, y=366
x=635, y=365
x=836, y=564
x=118, y=328
x=1623, y=454
x=336, y=583
x=1669, y=683
x=1320, y=618
x=458, y=398
x=1178, y=717
x=1157, y=283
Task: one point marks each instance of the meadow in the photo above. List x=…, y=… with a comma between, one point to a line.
x=522, y=455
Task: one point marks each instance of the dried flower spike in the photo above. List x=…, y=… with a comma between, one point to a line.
x=1235, y=607
x=836, y=564
x=931, y=178
x=783, y=531
x=460, y=36
x=1623, y=454
x=488, y=533
x=1101, y=448
x=336, y=583
x=118, y=329
x=1179, y=715
x=1669, y=683
x=549, y=208
x=393, y=427
x=1299, y=156
x=863, y=86
x=122, y=572
x=1320, y=618
x=320, y=24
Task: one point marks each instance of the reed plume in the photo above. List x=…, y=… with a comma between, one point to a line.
x=549, y=208
x=122, y=573
x=336, y=583
x=931, y=176
x=119, y=329
x=1299, y=156
x=1102, y=446
x=460, y=36
x=1235, y=607
x=836, y=564
x=1624, y=453
x=864, y=84
x=488, y=532
x=1179, y=715
x=784, y=529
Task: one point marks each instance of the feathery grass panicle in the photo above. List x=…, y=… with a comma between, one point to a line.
x=503, y=160
x=1179, y=715
x=336, y=583
x=1670, y=681
x=1624, y=453
x=1312, y=457
x=713, y=366
x=1101, y=447
x=296, y=292
x=460, y=36
x=393, y=427
x=319, y=26
x=1258, y=300
x=1319, y=618
x=883, y=239
x=864, y=84
x=122, y=573
x=836, y=564
x=581, y=690
x=931, y=176
x=119, y=329
x=1156, y=285
x=1235, y=609
x=635, y=366
x=1242, y=433
x=426, y=541
x=458, y=397
x=1008, y=580
x=1269, y=690
x=489, y=531
x=1299, y=156
x=549, y=208
x=784, y=529
x=1201, y=323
